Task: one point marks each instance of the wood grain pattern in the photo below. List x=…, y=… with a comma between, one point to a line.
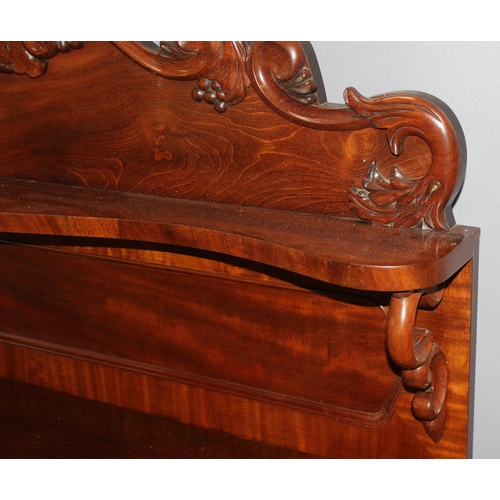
x=161, y=142
x=402, y=436
x=347, y=253
x=290, y=345
x=183, y=237
x=41, y=424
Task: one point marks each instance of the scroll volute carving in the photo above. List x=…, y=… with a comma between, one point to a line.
x=422, y=361
x=31, y=58
x=219, y=67
x=400, y=200
x=281, y=75
x=278, y=71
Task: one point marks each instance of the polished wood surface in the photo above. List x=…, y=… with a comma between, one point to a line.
x=43, y=424
x=194, y=235
x=122, y=127
x=65, y=363
x=295, y=347
x=344, y=252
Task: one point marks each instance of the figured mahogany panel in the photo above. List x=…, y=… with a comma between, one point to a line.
x=400, y=437
x=40, y=423
x=271, y=341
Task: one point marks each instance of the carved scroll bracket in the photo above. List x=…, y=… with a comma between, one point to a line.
x=423, y=363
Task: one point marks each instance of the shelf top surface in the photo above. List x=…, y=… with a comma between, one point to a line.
x=345, y=252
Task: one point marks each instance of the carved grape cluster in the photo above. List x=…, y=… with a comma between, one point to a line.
x=211, y=92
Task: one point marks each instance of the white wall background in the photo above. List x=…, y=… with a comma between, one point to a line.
x=465, y=75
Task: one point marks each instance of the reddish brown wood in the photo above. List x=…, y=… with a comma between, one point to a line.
x=151, y=144
x=295, y=345
x=40, y=423
x=402, y=436
x=208, y=263
x=422, y=360
x=219, y=68
x=370, y=258
x=401, y=200
x=31, y=58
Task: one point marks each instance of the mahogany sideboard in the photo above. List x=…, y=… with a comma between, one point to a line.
x=191, y=231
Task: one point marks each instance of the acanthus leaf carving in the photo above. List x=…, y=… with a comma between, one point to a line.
x=301, y=87
x=218, y=68
x=281, y=75
x=399, y=200
x=31, y=58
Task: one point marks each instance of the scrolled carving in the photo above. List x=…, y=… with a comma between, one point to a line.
x=278, y=71
x=301, y=87
x=219, y=67
x=275, y=68
x=281, y=75
x=31, y=58
x=408, y=347
x=423, y=363
x=400, y=200
x=431, y=381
